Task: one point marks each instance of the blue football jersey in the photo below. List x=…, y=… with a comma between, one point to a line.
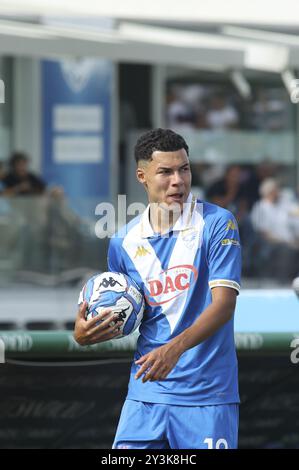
x=177, y=271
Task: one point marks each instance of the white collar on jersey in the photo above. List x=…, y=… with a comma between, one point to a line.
x=183, y=222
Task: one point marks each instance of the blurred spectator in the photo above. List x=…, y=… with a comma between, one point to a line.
x=229, y=192
x=221, y=114
x=2, y=176
x=41, y=234
x=207, y=173
x=271, y=215
x=20, y=181
x=180, y=114
x=4, y=206
x=273, y=219
x=265, y=169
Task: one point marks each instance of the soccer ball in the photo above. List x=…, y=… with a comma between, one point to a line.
x=118, y=291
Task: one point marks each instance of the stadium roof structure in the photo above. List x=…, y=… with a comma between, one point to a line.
x=256, y=12
x=215, y=35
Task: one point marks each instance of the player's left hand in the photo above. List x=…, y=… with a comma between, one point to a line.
x=157, y=364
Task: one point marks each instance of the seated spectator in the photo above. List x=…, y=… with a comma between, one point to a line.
x=228, y=192
x=231, y=192
x=272, y=218
x=265, y=169
x=20, y=181
x=180, y=115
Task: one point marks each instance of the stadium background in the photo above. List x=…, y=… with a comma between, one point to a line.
x=79, y=88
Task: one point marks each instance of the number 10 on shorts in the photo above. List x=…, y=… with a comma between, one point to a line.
x=219, y=444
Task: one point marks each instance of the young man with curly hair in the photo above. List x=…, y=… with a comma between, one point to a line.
x=183, y=389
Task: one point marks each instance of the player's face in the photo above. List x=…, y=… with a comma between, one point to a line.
x=167, y=177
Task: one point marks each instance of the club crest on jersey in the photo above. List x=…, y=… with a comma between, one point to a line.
x=170, y=284
x=141, y=251
x=189, y=236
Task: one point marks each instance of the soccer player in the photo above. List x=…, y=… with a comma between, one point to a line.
x=183, y=389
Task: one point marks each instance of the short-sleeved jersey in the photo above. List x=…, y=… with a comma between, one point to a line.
x=177, y=271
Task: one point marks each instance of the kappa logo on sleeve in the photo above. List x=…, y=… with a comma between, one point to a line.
x=231, y=225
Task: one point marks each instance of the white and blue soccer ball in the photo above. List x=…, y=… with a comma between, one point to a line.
x=118, y=291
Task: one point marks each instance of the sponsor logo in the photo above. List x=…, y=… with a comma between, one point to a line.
x=135, y=294
x=108, y=283
x=122, y=314
x=230, y=241
x=105, y=282
x=170, y=284
x=231, y=225
x=141, y=251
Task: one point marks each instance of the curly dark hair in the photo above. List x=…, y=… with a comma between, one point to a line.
x=164, y=140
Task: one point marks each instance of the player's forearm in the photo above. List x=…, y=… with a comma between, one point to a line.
x=215, y=316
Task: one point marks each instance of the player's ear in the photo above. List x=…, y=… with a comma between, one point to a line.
x=140, y=175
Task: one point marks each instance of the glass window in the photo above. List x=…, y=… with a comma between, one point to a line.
x=243, y=154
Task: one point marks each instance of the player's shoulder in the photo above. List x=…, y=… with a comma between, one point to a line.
x=213, y=212
x=123, y=232
x=215, y=215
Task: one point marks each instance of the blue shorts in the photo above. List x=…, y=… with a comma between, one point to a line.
x=159, y=426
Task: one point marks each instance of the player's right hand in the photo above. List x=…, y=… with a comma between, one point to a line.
x=93, y=331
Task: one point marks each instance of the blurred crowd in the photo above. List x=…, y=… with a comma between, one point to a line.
x=260, y=196
x=267, y=212
x=196, y=106
x=38, y=222
x=40, y=231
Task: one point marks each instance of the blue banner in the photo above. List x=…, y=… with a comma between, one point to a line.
x=76, y=128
